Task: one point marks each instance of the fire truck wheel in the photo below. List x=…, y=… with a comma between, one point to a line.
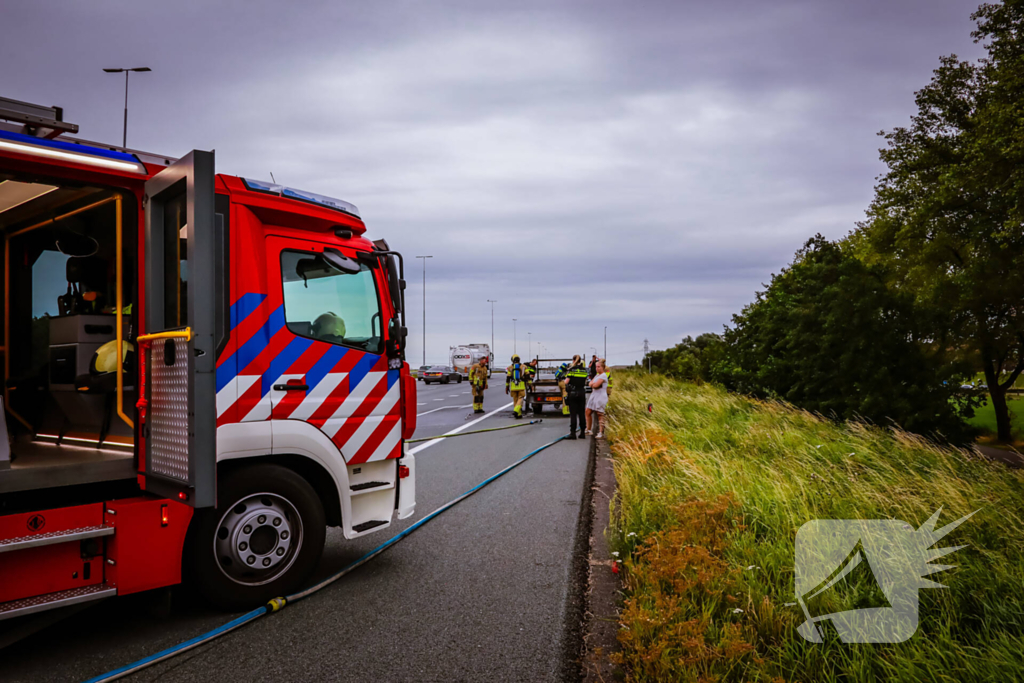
x=538, y=408
x=262, y=541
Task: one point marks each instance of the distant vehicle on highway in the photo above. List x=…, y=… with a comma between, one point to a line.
x=466, y=356
x=420, y=370
x=440, y=373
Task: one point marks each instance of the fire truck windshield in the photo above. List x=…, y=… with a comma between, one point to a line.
x=323, y=303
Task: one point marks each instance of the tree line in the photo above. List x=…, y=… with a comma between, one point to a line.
x=888, y=322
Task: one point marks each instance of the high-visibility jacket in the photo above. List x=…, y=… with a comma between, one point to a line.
x=576, y=380
x=515, y=377
x=478, y=375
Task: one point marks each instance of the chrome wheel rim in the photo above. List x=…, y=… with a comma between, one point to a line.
x=258, y=539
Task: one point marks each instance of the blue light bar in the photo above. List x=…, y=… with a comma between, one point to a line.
x=302, y=196
x=68, y=151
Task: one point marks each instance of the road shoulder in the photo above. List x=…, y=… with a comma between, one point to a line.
x=603, y=586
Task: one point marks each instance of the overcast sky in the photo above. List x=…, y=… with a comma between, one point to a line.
x=643, y=166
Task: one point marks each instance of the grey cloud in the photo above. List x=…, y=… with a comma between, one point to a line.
x=644, y=166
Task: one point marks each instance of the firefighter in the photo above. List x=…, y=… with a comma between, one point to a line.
x=515, y=385
x=478, y=380
x=328, y=326
x=531, y=373
x=576, y=395
x=560, y=377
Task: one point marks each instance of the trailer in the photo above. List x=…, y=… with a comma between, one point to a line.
x=202, y=372
x=544, y=389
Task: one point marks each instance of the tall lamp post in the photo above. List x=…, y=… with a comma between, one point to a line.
x=424, y=306
x=492, y=302
x=138, y=69
x=515, y=350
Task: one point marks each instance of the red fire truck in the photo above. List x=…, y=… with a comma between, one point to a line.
x=201, y=373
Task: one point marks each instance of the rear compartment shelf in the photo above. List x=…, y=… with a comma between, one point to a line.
x=39, y=603
x=35, y=540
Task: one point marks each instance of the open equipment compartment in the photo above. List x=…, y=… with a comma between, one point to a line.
x=67, y=399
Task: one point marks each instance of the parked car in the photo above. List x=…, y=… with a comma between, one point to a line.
x=440, y=373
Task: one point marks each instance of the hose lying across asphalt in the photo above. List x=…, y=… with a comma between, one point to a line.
x=278, y=604
x=475, y=431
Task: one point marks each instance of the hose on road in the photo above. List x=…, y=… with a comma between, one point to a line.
x=475, y=431
x=278, y=604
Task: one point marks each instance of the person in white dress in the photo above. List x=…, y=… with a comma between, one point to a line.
x=598, y=400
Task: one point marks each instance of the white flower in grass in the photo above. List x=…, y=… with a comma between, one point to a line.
x=737, y=611
x=616, y=554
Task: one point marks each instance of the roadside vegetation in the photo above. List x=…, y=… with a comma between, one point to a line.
x=712, y=487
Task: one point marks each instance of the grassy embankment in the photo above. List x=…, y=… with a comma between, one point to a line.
x=712, y=488
x=985, y=420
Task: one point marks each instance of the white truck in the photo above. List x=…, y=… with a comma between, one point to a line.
x=466, y=356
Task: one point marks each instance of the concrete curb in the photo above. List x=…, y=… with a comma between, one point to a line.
x=604, y=587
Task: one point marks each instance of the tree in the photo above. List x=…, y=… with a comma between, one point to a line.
x=947, y=221
x=828, y=335
x=692, y=359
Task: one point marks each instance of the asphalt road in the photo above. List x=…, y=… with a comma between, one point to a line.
x=483, y=592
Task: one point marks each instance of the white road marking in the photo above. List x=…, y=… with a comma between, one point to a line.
x=441, y=408
x=430, y=443
x=438, y=399
x=421, y=404
x=454, y=395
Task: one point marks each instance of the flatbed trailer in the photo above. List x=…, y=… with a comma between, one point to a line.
x=544, y=390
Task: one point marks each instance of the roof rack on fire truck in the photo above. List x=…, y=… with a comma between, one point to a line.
x=47, y=123
x=38, y=121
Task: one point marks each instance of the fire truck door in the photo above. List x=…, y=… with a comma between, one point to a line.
x=178, y=345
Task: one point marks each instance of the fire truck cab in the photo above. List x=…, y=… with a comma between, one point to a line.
x=201, y=373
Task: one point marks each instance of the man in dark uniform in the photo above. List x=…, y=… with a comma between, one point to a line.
x=576, y=395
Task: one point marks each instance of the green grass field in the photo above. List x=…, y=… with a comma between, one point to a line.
x=712, y=488
x=985, y=418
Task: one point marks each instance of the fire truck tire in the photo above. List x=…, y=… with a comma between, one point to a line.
x=538, y=408
x=262, y=541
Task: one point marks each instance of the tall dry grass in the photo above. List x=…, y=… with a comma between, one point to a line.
x=712, y=488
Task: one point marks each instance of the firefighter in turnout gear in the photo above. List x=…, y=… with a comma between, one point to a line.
x=531, y=373
x=576, y=395
x=560, y=377
x=515, y=385
x=478, y=380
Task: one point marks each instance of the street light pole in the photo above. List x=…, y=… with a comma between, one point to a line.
x=424, y=306
x=514, y=349
x=124, y=135
x=492, y=302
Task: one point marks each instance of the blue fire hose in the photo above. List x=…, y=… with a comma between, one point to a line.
x=278, y=604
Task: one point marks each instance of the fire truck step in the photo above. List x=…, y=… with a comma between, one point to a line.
x=366, y=485
x=52, y=537
x=365, y=526
x=73, y=596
